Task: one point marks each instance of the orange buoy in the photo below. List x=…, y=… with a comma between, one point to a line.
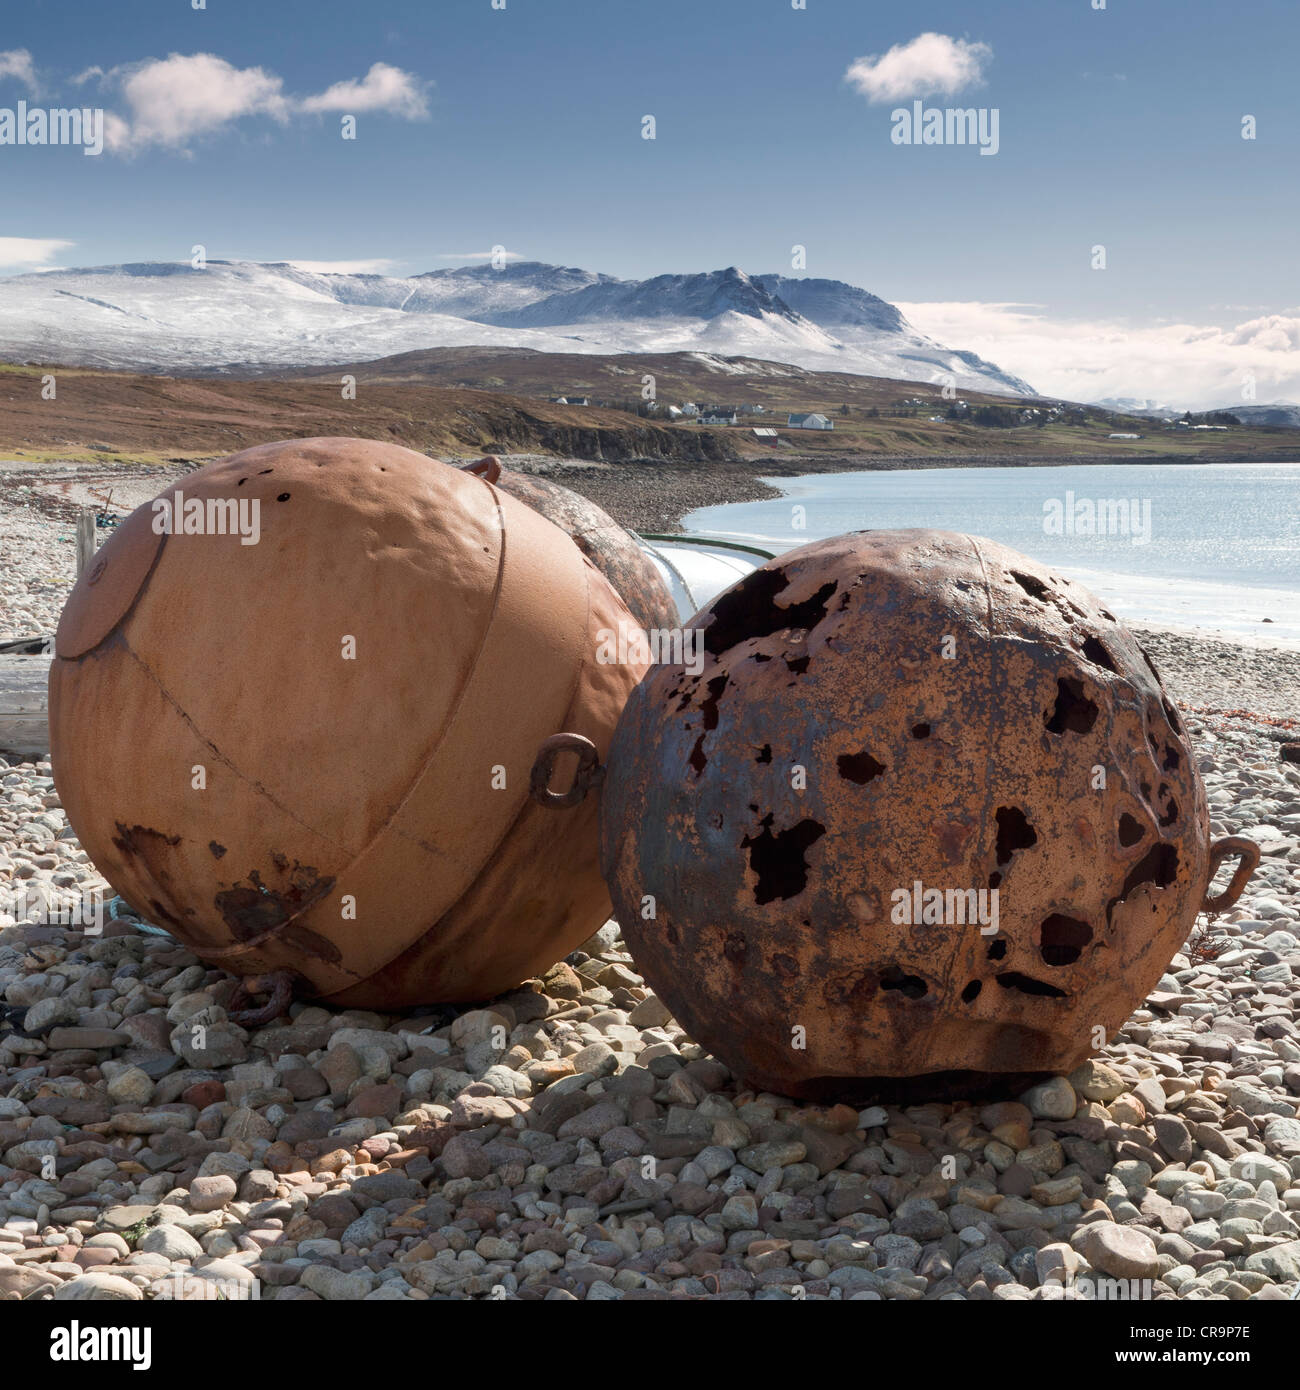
x=295, y=708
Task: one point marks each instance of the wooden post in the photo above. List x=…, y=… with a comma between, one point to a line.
x=24, y=723
x=85, y=541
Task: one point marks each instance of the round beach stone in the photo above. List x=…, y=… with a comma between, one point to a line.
x=1121, y=1252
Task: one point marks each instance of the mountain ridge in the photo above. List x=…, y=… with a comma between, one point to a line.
x=165, y=316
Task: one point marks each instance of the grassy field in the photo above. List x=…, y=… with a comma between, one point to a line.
x=463, y=401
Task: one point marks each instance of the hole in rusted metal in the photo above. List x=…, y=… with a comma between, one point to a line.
x=217, y=850
x=764, y=754
x=1159, y=866
x=1074, y=711
x=1014, y=832
x=1172, y=759
x=1035, y=588
x=283, y=497
x=858, y=767
x=1062, y=939
x=997, y=950
x=1171, y=714
x=709, y=709
x=749, y=610
x=778, y=859
x=909, y=986
x=1171, y=813
x=1130, y=830
x=995, y=879
x=1011, y=979
x=920, y=731
x=971, y=992
x=798, y=665
x=1095, y=650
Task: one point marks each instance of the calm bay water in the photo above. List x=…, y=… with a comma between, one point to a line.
x=1221, y=554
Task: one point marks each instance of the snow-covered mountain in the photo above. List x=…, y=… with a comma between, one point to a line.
x=1284, y=413
x=1134, y=405
x=165, y=317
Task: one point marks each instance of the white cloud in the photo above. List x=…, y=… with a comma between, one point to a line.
x=1196, y=366
x=17, y=63
x=88, y=74
x=932, y=64
x=174, y=100
x=383, y=88
x=374, y=267
x=479, y=256
x=30, y=253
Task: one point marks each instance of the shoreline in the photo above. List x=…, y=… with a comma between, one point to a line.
x=635, y=492
x=1205, y=669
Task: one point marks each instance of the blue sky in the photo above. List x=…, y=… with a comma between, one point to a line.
x=1120, y=126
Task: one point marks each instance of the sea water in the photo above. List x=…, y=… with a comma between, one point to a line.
x=1207, y=547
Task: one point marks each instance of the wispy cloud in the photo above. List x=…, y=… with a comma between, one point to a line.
x=930, y=65
x=17, y=63
x=171, y=102
x=1187, y=365
x=30, y=253
x=383, y=88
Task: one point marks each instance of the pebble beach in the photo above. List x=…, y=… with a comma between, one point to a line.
x=568, y=1141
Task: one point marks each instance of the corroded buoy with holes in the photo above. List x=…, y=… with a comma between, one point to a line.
x=304, y=744
x=925, y=812
x=610, y=547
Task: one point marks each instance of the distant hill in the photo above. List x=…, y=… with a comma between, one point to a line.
x=234, y=314
x=1283, y=413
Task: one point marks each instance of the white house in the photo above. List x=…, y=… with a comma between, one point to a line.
x=811, y=421
x=690, y=408
x=674, y=413
x=719, y=415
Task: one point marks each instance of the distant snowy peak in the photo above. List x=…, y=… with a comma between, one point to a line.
x=1284, y=413
x=1134, y=405
x=705, y=296
x=832, y=303
x=154, y=316
x=480, y=291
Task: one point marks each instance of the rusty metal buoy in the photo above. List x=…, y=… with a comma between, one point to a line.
x=926, y=812
x=308, y=754
x=609, y=546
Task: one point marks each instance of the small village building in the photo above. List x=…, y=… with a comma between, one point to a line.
x=810, y=421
